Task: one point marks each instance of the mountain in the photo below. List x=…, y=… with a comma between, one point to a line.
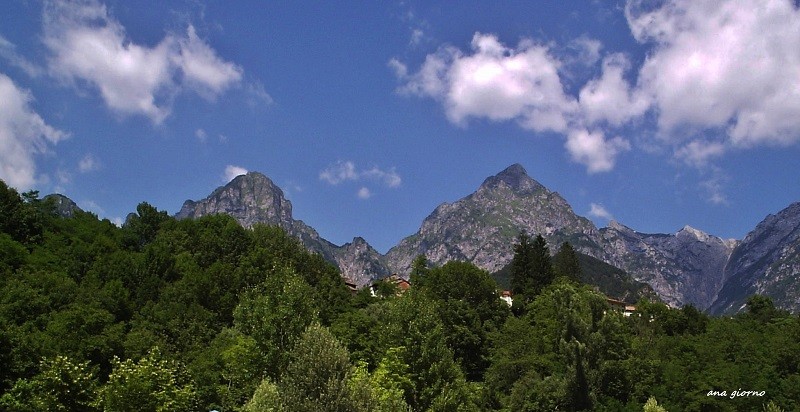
x=253, y=198
x=609, y=280
x=766, y=262
x=63, y=205
x=482, y=227
x=684, y=268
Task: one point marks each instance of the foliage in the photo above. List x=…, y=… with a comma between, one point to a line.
x=247, y=319
x=531, y=269
x=62, y=385
x=151, y=384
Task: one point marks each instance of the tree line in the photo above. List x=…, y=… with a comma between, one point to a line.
x=201, y=315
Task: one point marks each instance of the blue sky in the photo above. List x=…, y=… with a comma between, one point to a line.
x=370, y=114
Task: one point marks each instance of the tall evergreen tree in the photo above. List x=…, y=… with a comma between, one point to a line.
x=521, y=265
x=566, y=263
x=541, y=267
x=531, y=268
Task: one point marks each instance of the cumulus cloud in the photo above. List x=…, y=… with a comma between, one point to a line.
x=593, y=150
x=88, y=164
x=496, y=82
x=399, y=68
x=599, y=212
x=716, y=76
x=344, y=171
x=730, y=65
x=523, y=84
x=232, y=171
x=610, y=97
x=339, y=172
x=697, y=153
x=23, y=134
x=89, y=47
x=364, y=193
x=201, y=135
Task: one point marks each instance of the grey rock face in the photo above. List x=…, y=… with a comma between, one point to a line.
x=687, y=267
x=361, y=263
x=482, y=227
x=254, y=198
x=64, y=206
x=766, y=262
x=683, y=268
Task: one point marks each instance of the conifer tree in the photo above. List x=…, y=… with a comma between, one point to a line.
x=566, y=263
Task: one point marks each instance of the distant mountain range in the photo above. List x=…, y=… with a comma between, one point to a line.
x=687, y=267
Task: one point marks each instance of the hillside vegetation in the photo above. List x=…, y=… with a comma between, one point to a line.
x=203, y=314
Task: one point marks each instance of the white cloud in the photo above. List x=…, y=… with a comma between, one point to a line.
x=599, y=212
x=610, y=98
x=92, y=206
x=714, y=188
x=588, y=50
x=364, y=193
x=716, y=76
x=339, y=172
x=389, y=178
x=8, y=51
x=593, y=150
x=201, y=135
x=416, y=37
x=347, y=171
x=730, y=65
x=232, y=171
x=523, y=84
x=88, y=163
x=497, y=83
x=697, y=153
x=399, y=68
x=23, y=134
x=257, y=95
x=88, y=46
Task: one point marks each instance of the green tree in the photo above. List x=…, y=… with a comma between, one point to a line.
x=151, y=384
x=566, y=263
x=470, y=309
x=275, y=314
x=652, y=406
x=531, y=268
x=62, y=385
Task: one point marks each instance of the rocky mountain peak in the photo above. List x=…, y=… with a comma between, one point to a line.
x=64, y=206
x=516, y=178
x=767, y=262
x=250, y=198
x=696, y=233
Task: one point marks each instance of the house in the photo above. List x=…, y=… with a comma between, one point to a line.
x=351, y=286
x=505, y=296
x=400, y=284
x=625, y=308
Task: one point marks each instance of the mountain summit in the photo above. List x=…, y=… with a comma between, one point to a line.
x=482, y=227
x=686, y=267
x=253, y=198
x=516, y=178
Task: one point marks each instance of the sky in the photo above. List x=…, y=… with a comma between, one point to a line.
x=657, y=114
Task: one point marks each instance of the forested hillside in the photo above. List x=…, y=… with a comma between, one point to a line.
x=203, y=314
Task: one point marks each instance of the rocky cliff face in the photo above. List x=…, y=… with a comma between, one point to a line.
x=683, y=268
x=687, y=267
x=766, y=262
x=253, y=198
x=482, y=227
x=63, y=205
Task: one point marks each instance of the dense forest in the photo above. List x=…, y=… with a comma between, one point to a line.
x=201, y=315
